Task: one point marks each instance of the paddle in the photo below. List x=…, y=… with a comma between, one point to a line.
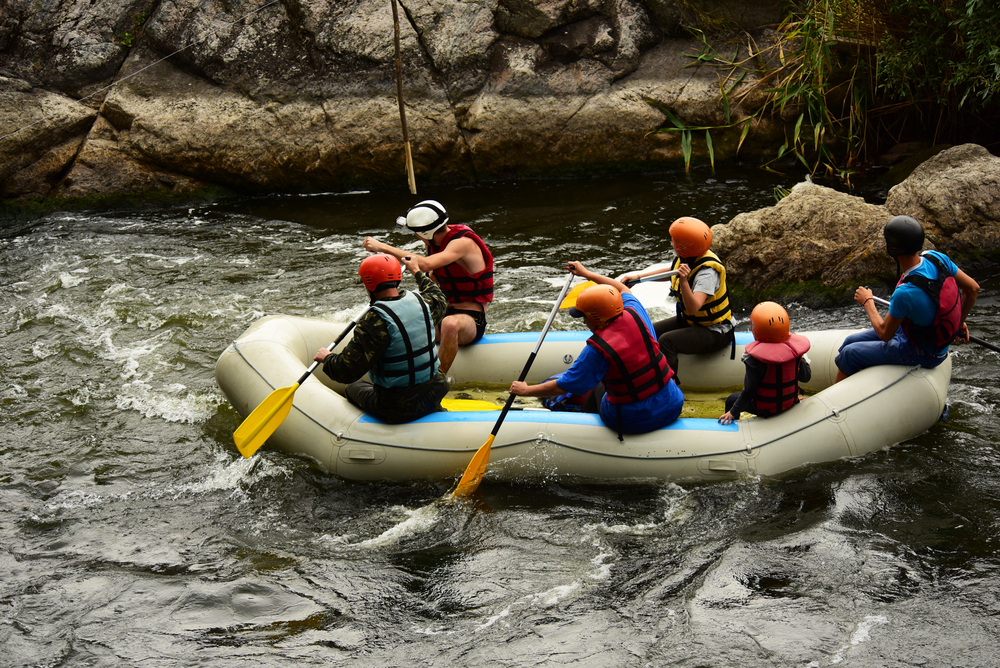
x=571, y=298
x=453, y=405
x=972, y=339
x=271, y=412
x=477, y=467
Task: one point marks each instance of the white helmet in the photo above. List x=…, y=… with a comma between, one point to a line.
x=424, y=219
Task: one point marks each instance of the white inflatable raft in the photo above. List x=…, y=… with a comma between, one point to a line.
x=869, y=411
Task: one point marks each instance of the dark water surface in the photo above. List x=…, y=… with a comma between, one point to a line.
x=132, y=532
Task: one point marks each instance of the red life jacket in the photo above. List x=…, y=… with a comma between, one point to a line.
x=779, y=389
x=637, y=367
x=458, y=284
x=943, y=291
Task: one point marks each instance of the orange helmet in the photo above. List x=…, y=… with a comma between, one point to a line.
x=691, y=237
x=600, y=303
x=378, y=270
x=769, y=323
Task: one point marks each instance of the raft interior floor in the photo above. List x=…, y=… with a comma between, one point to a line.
x=705, y=403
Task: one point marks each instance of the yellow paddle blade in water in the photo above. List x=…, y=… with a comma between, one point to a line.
x=570, y=300
x=267, y=417
x=474, y=472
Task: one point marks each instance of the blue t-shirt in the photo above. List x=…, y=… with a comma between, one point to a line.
x=910, y=301
x=648, y=414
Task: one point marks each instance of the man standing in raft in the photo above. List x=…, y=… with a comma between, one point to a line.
x=393, y=343
x=622, y=354
x=926, y=313
x=460, y=263
x=704, y=320
x=775, y=362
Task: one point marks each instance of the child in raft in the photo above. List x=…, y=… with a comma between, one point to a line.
x=775, y=364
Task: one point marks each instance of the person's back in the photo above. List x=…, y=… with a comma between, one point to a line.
x=626, y=358
x=889, y=340
x=775, y=364
x=410, y=358
x=638, y=394
x=913, y=302
x=394, y=344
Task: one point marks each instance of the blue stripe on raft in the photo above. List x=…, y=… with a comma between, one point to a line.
x=742, y=338
x=551, y=417
x=531, y=337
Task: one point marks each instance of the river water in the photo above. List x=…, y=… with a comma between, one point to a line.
x=133, y=533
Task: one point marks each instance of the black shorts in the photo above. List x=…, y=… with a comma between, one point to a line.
x=478, y=316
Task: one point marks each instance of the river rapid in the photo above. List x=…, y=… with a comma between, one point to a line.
x=133, y=533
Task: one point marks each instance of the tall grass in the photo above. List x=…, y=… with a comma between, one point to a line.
x=844, y=76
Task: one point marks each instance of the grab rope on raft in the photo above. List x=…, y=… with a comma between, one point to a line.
x=545, y=439
x=206, y=35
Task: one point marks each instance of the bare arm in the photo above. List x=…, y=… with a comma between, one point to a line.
x=547, y=389
x=885, y=327
x=463, y=251
x=373, y=245
x=634, y=278
x=577, y=269
x=970, y=291
x=693, y=301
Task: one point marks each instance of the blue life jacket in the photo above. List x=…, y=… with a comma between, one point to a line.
x=410, y=358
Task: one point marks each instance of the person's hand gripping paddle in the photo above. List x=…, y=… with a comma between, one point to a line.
x=569, y=300
x=271, y=412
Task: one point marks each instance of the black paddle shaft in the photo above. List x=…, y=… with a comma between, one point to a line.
x=531, y=357
x=510, y=397
x=330, y=347
x=984, y=344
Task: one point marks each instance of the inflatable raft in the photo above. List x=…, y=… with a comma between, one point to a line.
x=869, y=411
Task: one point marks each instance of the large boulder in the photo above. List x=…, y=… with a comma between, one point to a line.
x=814, y=242
x=956, y=196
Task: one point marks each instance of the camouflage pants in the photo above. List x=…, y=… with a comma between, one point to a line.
x=399, y=404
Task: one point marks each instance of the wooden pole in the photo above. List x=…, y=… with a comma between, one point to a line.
x=402, y=109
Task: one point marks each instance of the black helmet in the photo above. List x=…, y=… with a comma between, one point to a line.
x=903, y=236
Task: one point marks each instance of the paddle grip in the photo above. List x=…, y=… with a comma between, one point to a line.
x=651, y=277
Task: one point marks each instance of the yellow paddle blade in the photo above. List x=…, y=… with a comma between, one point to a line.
x=267, y=417
x=469, y=405
x=570, y=299
x=474, y=471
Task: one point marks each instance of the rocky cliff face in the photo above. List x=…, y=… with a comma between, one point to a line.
x=138, y=96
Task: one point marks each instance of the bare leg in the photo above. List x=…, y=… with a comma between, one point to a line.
x=839, y=377
x=456, y=330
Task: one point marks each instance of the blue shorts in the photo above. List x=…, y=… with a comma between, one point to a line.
x=864, y=349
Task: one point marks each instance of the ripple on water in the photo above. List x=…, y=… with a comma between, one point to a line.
x=135, y=534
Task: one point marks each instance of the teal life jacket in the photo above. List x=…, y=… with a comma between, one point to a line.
x=411, y=358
